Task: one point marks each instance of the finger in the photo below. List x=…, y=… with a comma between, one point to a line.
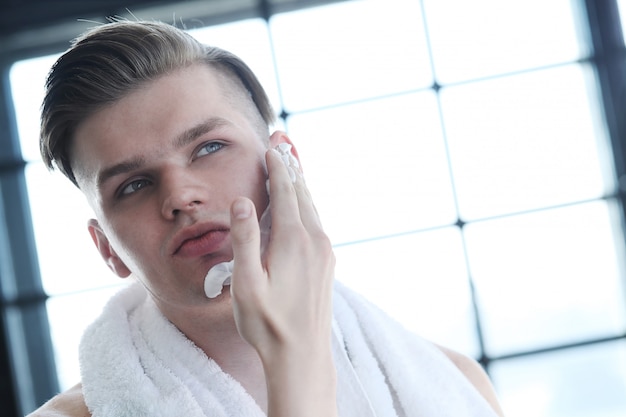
x=283, y=199
x=245, y=237
x=309, y=215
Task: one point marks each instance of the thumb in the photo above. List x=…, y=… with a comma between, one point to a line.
x=246, y=241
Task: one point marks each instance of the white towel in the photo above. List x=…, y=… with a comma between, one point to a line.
x=134, y=362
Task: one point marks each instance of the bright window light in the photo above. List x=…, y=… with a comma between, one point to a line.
x=523, y=142
x=622, y=13
x=475, y=39
x=349, y=51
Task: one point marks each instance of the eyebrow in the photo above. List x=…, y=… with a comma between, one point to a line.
x=185, y=138
x=198, y=130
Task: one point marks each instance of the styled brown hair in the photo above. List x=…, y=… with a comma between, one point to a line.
x=110, y=61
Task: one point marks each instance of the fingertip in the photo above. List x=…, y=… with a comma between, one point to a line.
x=244, y=226
x=242, y=208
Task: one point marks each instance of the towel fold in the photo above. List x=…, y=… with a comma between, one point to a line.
x=134, y=362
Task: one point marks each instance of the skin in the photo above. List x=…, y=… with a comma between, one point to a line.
x=271, y=332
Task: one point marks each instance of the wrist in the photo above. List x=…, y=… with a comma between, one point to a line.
x=301, y=382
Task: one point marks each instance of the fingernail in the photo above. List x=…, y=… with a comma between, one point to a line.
x=241, y=209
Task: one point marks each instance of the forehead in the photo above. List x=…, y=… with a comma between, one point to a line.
x=153, y=114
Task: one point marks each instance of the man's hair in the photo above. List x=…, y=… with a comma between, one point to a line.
x=108, y=62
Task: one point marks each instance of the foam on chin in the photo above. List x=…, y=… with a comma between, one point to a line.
x=217, y=278
x=219, y=275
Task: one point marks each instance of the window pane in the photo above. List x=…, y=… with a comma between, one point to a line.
x=525, y=142
x=68, y=259
x=622, y=13
x=349, y=51
x=249, y=40
x=548, y=278
x=28, y=80
x=420, y=279
x=376, y=168
x=473, y=39
x=582, y=382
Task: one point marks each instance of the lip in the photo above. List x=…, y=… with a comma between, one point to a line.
x=198, y=240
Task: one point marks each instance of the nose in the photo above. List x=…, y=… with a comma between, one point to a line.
x=181, y=193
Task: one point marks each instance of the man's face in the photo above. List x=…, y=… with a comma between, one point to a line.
x=161, y=168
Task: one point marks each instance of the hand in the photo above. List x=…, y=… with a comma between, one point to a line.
x=282, y=300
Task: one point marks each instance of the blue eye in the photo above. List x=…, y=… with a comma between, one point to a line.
x=209, y=148
x=134, y=186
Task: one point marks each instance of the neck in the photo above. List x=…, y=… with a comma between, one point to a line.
x=212, y=328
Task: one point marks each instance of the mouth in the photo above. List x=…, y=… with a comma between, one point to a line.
x=199, y=241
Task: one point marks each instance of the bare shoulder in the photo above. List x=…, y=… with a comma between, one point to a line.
x=476, y=375
x=70, y=403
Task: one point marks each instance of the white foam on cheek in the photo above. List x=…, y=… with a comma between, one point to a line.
x=220, y=274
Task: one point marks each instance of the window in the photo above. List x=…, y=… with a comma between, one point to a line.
x=622, y=13
x=463, y=156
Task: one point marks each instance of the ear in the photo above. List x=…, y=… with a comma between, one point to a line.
x=281, y=137
x=106, y=250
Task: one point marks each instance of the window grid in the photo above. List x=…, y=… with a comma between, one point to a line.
x=597, y=59
x=484, y=357
x=607, y=62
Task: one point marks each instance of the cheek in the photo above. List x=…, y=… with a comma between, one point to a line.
x=130, y=241
x=259, y=193
x=251, y=182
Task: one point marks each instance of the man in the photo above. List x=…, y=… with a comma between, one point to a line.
x=169, y=141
